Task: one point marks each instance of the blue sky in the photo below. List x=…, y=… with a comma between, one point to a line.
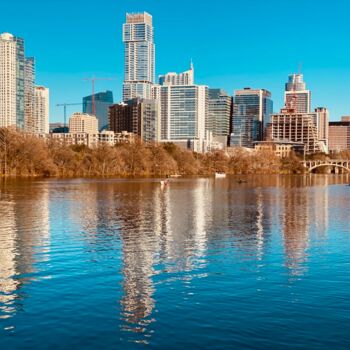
x=233, y=44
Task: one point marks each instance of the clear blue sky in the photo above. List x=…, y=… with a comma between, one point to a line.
x=233, y=43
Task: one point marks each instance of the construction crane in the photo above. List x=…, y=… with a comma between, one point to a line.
x=93, y=80
x=64, y=105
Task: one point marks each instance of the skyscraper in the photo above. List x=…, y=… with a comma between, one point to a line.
x=12, y=74
x=29, y=95
x=296, y=96
x=41, y=110
x=251, y=114
x=139, y=56
x=184, y=110
x=218, y=121
x=103, y=100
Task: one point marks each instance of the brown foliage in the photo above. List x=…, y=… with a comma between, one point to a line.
x=31, y=156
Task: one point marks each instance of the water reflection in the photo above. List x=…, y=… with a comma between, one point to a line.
x=24, y=242
x=154, y=238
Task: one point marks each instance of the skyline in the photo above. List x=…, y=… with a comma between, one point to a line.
x=219, y=64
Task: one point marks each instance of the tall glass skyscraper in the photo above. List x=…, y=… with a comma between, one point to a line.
x=251, y=114
x=139, y=56
x=218, y=121
x=296, y=96
x=103, y=100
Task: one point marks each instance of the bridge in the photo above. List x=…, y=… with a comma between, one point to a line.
x=339, y=165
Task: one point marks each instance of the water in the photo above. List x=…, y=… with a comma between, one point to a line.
x=202, y=263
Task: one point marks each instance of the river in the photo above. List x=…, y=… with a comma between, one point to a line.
x=200, y=263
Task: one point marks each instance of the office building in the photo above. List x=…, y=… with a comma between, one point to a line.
x=185, y=78
x=219, y=113
x=41, y=110
x=339, y=135
x=322, y=124
x=137, y=116
x=296, y=96
x=139, y=56
x=102, y=100
x=83, y=123
x=183, y=111
x=252, y=109
x=291, y=126
x=12, y=75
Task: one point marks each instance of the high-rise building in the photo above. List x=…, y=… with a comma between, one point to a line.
x=139, y=56
x=83, y=123
x=103, y=100
x=29, y=95
x=296, y=96
x=185, y=78
x=41, y=110
x=138, y=116
x=291, y=126
x=252, y=109
x=183, y=111
x=339, y=135
x=322, y=124
x=219, y=113
x=12, y=75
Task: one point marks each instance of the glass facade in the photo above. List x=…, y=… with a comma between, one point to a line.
x=251, y=114
x=20, y=85
x=219, y=114
x=103, y=100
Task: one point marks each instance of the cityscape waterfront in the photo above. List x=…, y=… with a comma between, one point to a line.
x=169, y=212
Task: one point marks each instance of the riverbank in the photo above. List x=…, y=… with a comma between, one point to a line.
x=29, y=156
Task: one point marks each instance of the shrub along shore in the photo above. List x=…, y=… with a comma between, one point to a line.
x=29, y=156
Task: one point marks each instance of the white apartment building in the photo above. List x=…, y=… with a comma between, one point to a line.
x=8, y=80
x=183, y=112
x=41, y=110
x=83, y=123
x=185, y=78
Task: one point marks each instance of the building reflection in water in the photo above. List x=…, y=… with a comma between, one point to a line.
x=305, y=212
x=24, y=238
x=160, y=235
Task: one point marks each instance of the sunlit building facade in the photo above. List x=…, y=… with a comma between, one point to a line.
x=12, y=76
x=185, y=78
x=184, y=110
x=139, y=56
x=297, y=127
x=41, y=110
x=339, y=135
x=83, y=123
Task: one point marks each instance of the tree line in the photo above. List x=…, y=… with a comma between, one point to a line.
x=26, y=155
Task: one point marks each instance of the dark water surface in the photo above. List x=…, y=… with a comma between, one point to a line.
x=203, y=263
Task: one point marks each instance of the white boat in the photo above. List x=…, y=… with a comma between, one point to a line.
x=220, y=175
x=175, y=176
